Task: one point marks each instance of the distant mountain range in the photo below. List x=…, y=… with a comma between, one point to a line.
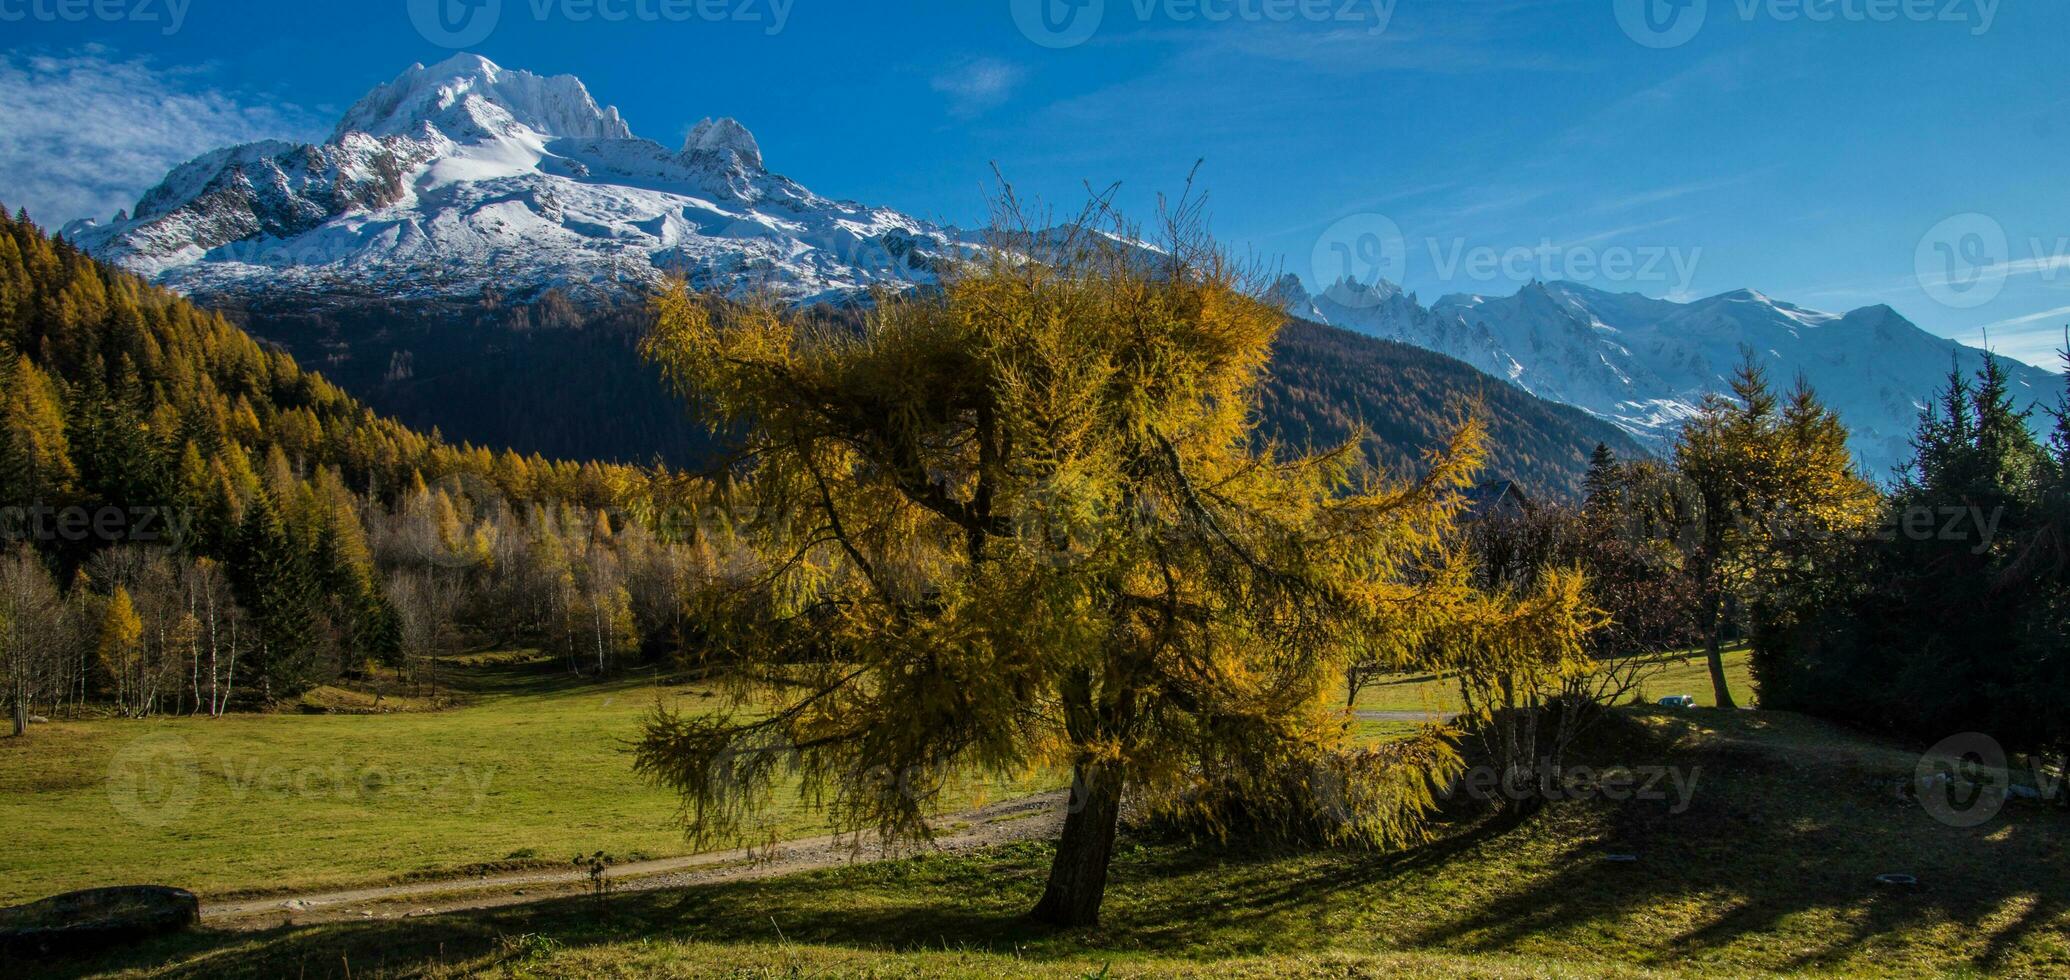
x=462, y=249
x=1646, y=363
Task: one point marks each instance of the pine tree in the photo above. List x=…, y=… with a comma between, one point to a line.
x=2059, y=440
x=274, y=580
x=1602, y=484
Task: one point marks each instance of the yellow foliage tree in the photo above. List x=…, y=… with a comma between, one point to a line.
x=1028, y=522
x=120, y=651
x=1762, y=468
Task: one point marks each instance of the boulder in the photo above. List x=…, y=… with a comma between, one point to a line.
x=78, y=920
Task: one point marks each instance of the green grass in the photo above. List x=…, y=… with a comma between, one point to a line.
x=534, y=765
x=537, y=763
x=1768, y=869
x=1669, y=674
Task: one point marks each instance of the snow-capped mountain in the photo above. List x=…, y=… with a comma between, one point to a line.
x=465, y=176
x=1646, y=363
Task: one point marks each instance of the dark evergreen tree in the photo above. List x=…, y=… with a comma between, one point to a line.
x=274, y=580
x=1953, y=618
x=1600, y=487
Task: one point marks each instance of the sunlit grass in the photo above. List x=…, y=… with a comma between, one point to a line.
x=536, y=766
x=1665, y=675
x=1769, y=867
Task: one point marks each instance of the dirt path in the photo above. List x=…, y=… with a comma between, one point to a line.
x=1024, y=819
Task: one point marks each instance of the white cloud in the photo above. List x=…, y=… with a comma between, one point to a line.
x=86, y=133
x=2060, y=312
x=978, y=85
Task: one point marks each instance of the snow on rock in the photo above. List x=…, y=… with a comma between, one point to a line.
x=724, y=141
x=468, y=97
x=1645, y=364
x=466, y=176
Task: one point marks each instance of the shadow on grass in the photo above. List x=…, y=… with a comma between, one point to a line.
x=1770, y=866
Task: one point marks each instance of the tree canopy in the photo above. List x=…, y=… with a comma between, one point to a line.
x=1027, y=522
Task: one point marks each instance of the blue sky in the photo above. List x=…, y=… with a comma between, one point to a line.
x=1834, y=153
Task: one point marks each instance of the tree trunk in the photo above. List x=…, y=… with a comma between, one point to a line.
x=21, y=714
x=1078, y=876
x=1713, y=651
x=1712, y=620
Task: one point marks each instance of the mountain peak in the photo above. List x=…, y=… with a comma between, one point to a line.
x=1746, y=296
x=468, y=97
x=726, y=142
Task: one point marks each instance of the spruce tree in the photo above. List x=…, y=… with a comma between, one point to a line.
x=1601, y=485
x=273, y=580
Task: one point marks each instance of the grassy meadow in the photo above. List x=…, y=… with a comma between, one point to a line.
x=533, y=766
x=530, y=768
x=1767, y=867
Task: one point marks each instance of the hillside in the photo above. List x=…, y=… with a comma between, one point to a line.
x=1325, y=380
x=211, y=509
x=122, y=393
x=563, y=381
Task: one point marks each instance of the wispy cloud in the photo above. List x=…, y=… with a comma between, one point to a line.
x=85, y=133
x=1612, y=234
x=1662, y=195
x=978, y=85
x=2048, y=267
x=2059, y=313
x=1366, y=37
